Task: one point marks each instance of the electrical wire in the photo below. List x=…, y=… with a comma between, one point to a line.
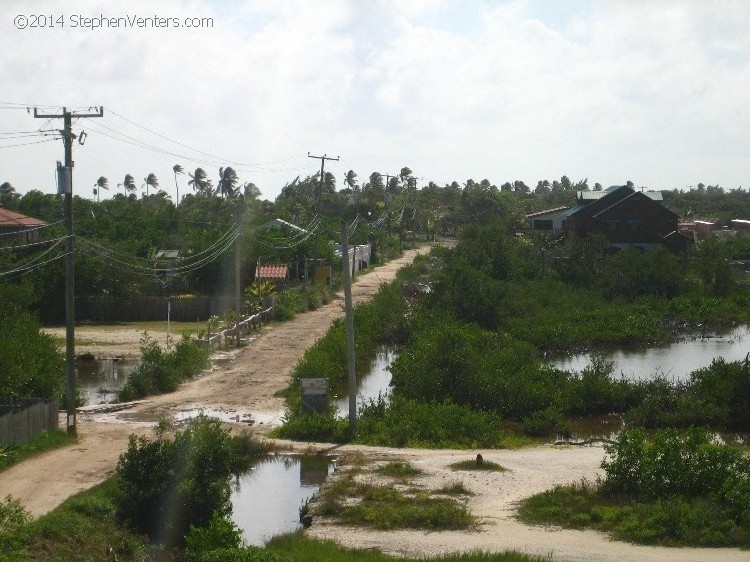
x=120, y=257
x=155, y=271
x=26, y=143
x=26, y=266
x=31, y=244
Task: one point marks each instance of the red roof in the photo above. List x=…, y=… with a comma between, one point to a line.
x=11, y=219
x=273, y=271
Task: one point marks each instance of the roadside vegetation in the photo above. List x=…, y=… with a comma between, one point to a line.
x=674, y=488
x=46, y=441
x=169, y=500
x=393, y=503
x=162, y=371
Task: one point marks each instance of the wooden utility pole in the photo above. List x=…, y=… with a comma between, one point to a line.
x=320, y=196
x=65, y=187
x=237, y=266
x=349, y=332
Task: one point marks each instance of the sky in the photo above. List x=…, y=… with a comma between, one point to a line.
x=654, y=92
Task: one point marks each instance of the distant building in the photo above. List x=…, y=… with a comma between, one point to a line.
x=741, y=227
x=551, y=221
x=629, y=218
x=16, y=229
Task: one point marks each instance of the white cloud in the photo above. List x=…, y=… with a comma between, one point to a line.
x=653, y=92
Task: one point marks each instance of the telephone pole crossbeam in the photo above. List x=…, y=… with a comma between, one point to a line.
x=67, y=190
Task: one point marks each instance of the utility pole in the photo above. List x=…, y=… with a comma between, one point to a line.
x=66, y=188
x=387, y=231
x=237, y=265
x=320, y=196
x=349, y=332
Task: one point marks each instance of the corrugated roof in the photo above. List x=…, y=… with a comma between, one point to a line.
x=12, y=219
x=593, y=195
x=548, y=211
x=273, y=271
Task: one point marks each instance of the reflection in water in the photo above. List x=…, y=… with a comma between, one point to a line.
x=101, y=379
x=266, y=500
x=675, y=361
x=376, y=381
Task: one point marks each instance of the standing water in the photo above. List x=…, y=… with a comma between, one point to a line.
x=674, y=361
x=375, y=382
x=101, y=379
x=266, y=500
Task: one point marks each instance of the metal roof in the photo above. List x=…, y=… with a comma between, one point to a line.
x=593, y=195
x=547, y=212
x=11, y=219
x=273, y=271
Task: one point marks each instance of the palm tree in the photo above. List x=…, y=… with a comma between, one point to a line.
x=227, y=182
x=128, y=184
x=200, y=182
x=7, y=193
x=351, y=180
x=101, y=183
x=151, y=181
x=177, y=169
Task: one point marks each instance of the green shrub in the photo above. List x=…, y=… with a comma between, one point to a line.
x=412, y=423
x=12, y=516
x=220, y=533
x=670, y=463
x=161, y=371
x=322, y=427
x=165, y=486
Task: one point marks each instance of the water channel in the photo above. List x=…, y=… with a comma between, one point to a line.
x=373, y=383
x=266, y=500
x=674, y=361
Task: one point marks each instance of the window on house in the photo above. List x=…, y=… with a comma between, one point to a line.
x=542, y=224
x=634, y=225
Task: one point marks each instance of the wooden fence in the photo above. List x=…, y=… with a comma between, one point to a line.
x=181, y=309
x=254, y=321
x=22, y=420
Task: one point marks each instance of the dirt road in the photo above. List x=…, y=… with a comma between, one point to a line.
x=246, y=381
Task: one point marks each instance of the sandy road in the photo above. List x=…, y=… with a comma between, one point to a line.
x=247, y=383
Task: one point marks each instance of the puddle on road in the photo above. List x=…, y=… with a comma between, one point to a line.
x=100, y=380
x=266, y=500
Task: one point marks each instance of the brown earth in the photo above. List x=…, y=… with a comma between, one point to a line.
x=245, y=382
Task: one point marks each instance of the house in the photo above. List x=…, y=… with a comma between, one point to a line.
x=700, y=229
x=278, y=272
x=741, y=227
x=17, y=229
x=628, y=217
x=551, y=221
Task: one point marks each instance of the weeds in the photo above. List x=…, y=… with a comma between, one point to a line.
x=676, y=488
x=478, y=465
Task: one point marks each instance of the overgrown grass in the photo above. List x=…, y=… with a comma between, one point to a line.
x=676, y=489
x=298, y=548
x=399, y=469
x=84, y=527
x=457, y=488
x=46, y=441
x=383, y=507
x=162, y=371
x=475, y=464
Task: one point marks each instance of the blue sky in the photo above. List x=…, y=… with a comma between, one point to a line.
x=653, y=92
